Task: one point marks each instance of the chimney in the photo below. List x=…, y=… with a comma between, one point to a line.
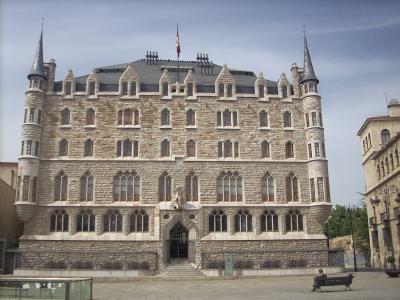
x=394, y=108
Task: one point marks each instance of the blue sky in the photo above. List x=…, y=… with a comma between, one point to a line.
x=355, y=48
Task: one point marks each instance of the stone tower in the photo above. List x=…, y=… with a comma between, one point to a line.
x=317, y=163
x=28, y=169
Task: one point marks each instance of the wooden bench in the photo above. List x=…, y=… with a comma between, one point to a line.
x=324, y=280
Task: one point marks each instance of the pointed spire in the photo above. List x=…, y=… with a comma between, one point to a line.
x=37, y=66
x=308, y=71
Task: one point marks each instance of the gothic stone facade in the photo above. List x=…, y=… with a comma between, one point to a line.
x=139, y=163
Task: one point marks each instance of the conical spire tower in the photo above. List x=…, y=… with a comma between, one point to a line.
x=37, y=66
x=308, y=71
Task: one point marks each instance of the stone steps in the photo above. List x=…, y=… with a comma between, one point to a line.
x=181, y=271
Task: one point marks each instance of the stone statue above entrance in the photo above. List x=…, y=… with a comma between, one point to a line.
x=177, y=202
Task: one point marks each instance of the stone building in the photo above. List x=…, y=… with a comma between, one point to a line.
x=139, y=163
x=380, y=144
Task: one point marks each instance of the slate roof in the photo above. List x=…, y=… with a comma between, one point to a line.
x=150, y=74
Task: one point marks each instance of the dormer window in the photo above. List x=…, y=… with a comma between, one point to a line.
x=133, y=88
x=190, y=89
x=221, y=90
x=284, y=92
x=68, y=88
x=261, y=91
x=287, y=119
x=92, y=88
x=385, y=136
x=230, y=88
x=124, y=88
x=35, y=83
x=165, y=89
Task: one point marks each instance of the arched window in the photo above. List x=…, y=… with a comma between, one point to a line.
x=382, y=169
x=269, y=221
x=85, y=221
x=191, y=187
x=126, y=187
x=243, y=221
x=165, y=148
x=61, y=187
x=165, y=88
x=229, y=187
x=387, y=165
x=263, y=119
x=90, y=116
x=287, y=119
x=164, y=187
x=191, y=148
x=267, y=184
x=65, y=116
x=221, y=90
x=139, y=221
x=59, y=221
x=265, y=152
x=391, y=161
x=227, y=118
x=217, y=222
x=228, y=149
x=87, y=190
x=88, y=148
x=230, y=90
x=124, y=88
x=284, y=91
x=63, y=148
x=68, y=88
x=127, y=116
x=378, y=171
x=92, y=88
x=289, y=150
x=112, y=221
x=165, y=117
x=385, y=136
x=261, y=91
x=132, y=91
x=127, y=148
x=189, y=89
x=292, y=189
x=294, y=221
x=396, y=155
x=190, y=118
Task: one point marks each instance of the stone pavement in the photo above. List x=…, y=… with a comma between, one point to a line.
x=366, y=285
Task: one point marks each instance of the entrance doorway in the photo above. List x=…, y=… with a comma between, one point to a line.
x=178, y=242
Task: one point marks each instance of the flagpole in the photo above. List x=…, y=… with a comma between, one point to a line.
x=177, y=52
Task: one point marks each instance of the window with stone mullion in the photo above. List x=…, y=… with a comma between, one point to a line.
x=243, y=221
x=269, y=221
x=191, y=188
x=217, y=222
x=85, y=221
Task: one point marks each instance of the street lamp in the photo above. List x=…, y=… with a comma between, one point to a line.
x=350, y=212
x=385, y=191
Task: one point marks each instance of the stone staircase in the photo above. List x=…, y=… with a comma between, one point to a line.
x=181, y=270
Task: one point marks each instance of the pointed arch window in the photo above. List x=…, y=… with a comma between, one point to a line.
x=189, y=88
x=289, y=150
x=164, y=187
x=217, y=222
x=284, y=91
x=165, y=148
x=229, y=187
x=269, y=221
x=88, y=149
x=139, y=221
x=287, y=119
x=61, y=187
x=165, y=117
x=261, y=91
x=385, y=136
x=191, y=148
x=191, y=187
x=387, y=165
x=190, y=117
x=112, y=221
x=378, y=171
x=68, y=88
x=294, y=221
x=90, y=117
x=87, y=187
x=268, y=191
x=65, y=116
x=127, y=148
x=263, y=118
x=59, y=221
x=85, y=221
x=265, y=151
x=396, y=155
x=382, y=169
x=243, y=221
x=63, y=148
x=221, y=90
x=92, y=88
x=126, y=187
x=228, y=149
x=292, y=188
x=391, y=161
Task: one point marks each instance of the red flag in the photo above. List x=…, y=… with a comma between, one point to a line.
x=178, y=45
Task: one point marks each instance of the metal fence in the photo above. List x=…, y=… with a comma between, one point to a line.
x=88, y=260
x=274, y=259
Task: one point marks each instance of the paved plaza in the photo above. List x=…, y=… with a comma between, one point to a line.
x=367, y=285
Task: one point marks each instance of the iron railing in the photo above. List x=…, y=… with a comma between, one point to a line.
x=274, y=259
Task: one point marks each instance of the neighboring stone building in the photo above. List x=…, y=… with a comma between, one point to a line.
x=10, y=227
x=380, y=142
x=139, y=163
